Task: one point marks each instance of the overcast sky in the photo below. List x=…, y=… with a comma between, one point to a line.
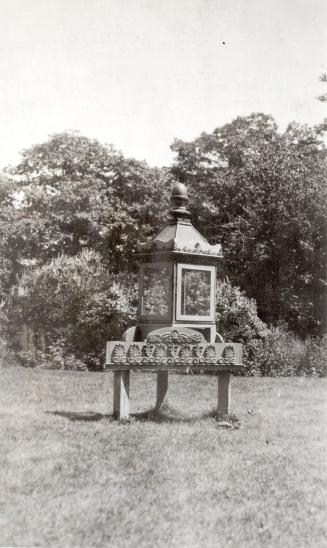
x=139, y=73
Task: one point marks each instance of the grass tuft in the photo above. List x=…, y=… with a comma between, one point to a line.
x=223, y=420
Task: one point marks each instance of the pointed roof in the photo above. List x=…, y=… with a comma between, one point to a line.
x=180, y=236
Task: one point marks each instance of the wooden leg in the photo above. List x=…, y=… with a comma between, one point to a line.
x=121, y=394
x=224, y=392
x=162, y=388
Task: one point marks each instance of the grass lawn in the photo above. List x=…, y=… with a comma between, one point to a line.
x=72, y=476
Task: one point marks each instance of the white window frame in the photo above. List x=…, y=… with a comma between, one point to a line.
x=187, y=317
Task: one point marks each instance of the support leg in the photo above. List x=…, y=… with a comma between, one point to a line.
x=224, y=392
x=121, y=394
x=162, y=388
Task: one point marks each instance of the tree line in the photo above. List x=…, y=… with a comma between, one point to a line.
x=74, y=206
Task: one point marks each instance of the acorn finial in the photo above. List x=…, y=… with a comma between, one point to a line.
x=179, y=200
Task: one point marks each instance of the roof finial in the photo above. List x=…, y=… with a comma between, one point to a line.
x=179, y=200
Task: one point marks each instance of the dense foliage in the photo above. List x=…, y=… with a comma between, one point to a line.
x=77, y=194
x=66, y=309
x=267, y=350
x=263, y=195
x=9, y=242
x=236, y=315
x=73, y=209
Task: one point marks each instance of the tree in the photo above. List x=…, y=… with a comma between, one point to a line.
x=81, y=194
x=9, y=238
x=263, y=195
x=80, y=209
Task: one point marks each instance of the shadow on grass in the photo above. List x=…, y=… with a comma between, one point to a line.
x=154, y=415
x=165, y=414
x=169, y=415
x=79, y=416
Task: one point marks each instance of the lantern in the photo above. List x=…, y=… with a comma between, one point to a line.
x=178, y=269
x=176, y=328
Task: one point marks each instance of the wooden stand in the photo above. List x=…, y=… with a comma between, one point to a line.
x=121, y=394
x=224, y=392
x=162, y=388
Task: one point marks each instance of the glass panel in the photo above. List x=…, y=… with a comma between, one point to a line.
x=196, y=285
x=155, y=300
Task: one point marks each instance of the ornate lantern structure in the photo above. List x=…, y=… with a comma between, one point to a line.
x=176, y=327
x=178, y=269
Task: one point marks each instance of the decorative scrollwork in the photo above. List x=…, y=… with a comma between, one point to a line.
x=210, y=355
x=134, y=354
x=161, y=354
x=175, y=353
x=213, y=251
x=174, y=336
x=228, y=354
x=118, y=354
x=186, y=354
x=173, y=245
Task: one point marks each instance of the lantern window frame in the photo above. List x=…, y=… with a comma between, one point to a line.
x=155, y=266
x=193, y=317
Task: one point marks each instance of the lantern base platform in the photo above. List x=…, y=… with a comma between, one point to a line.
x=121, y=406
x=167, y=349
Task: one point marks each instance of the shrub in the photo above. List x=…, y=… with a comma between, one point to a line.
x=281, y=353
x=67, y=309
x=267, y=351
x=236, y=315
x=63, y=312
x=315, y=362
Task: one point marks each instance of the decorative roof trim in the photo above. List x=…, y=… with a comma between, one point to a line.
x=172, y=245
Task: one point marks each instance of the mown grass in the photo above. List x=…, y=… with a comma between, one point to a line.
x=72, y=476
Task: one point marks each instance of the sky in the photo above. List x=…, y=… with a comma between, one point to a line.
x=139, y=73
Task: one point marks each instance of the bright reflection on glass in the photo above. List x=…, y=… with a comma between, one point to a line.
x=155, y=300
x=196, y=286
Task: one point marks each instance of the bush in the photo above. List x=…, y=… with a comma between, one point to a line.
x=236, y=315
x=7, y=356
x=267, y=351
x=281, y=353
x=66, y=310
x=63, y=313
x=315, y=362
